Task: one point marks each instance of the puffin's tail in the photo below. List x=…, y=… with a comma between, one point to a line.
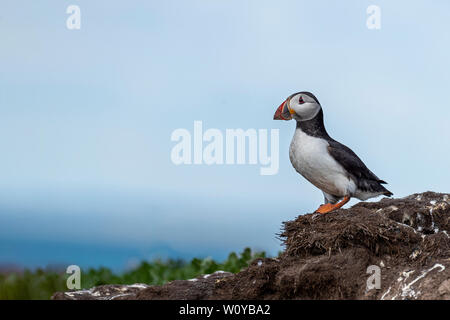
x=388, y=193
x=375, y=186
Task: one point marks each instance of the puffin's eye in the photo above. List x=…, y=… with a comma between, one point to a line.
x=300, y=100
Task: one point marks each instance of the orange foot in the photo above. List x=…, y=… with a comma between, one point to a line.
x=328, y=207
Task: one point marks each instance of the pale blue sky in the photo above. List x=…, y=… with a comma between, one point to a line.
x=86, y=117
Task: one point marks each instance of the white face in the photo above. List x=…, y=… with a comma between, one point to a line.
x=304, y=106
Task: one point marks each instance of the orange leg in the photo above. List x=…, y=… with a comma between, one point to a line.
x=328, y=207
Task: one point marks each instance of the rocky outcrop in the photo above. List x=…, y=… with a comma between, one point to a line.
x=391, y=249
x=198, y=288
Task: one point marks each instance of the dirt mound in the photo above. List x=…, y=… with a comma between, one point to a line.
x=336, y=256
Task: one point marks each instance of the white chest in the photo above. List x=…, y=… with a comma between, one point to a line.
x=309, y=156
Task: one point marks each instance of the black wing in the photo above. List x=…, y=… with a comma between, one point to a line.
x=365, y=179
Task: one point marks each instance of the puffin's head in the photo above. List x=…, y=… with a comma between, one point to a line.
x=301, y=106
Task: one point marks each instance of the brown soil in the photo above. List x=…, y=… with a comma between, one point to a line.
x=327, y=257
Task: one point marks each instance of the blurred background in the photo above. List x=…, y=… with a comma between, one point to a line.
x=86, y=117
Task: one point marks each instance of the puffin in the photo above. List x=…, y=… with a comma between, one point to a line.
x=326, y=163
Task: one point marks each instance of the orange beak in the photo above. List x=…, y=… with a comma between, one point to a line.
x=283, y=112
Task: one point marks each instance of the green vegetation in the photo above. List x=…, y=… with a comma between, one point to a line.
x=41, y=284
